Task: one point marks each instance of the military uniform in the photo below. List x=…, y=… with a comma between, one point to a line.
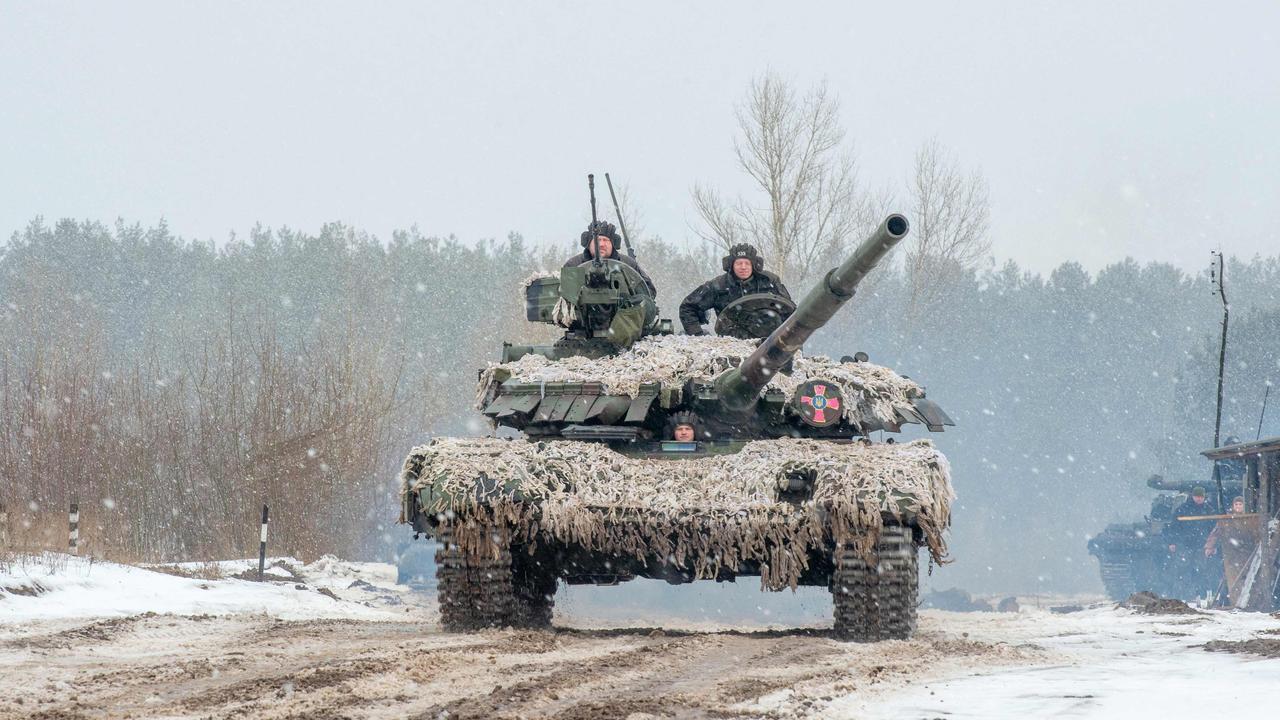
x=718, y=292
x=1194, y=574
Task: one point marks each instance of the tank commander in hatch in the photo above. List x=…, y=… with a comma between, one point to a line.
x=684, y=427
x=744, y=274
x=609, y=241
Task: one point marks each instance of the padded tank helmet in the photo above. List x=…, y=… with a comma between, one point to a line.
x=684, y=417
x=743, y=250
x=600, y=227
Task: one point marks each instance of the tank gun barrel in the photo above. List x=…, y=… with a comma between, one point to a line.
x=739, y=388
x=1230, y=480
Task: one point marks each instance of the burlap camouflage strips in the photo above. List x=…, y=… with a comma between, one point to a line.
x=700, y=513
x=872, y=391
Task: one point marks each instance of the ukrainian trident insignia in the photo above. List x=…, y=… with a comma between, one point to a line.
x=818, y=403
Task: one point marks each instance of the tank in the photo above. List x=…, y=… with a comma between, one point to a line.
x=632, y=452
x=1136, y=556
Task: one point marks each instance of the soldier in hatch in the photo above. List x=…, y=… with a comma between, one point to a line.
x=744, y=274
x=609, y=241
x=684, y=426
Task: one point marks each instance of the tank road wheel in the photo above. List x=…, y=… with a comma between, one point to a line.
x=475, y=592
x=877, y=602
x=1117, y=577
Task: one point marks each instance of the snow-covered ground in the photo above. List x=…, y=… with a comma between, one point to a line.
x=55, y=586
x=1104, y=662
x=317, y=637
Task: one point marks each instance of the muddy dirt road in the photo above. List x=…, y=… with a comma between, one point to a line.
x=1100, y=662
x=166, y=666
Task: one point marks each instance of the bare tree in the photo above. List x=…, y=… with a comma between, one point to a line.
x=792, y=149
x=950, y=218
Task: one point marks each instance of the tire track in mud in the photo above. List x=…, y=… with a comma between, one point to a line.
x=706, y=674
x=540, y=687
x=307, y=680
x=95, y=632
x=329, y=658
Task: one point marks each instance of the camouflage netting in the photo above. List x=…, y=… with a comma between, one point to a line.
x=672, y=360
x=700, y=513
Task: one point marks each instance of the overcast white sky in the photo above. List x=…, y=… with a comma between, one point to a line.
x=1104, y=129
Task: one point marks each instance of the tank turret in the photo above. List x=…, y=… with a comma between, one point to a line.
x=739, y=389
x=615, y=379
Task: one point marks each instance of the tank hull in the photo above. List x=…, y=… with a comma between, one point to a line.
x=506, y=547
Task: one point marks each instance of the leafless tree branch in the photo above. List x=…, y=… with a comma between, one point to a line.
x=810, y=197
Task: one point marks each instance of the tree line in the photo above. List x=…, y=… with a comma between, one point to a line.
x=172, y=386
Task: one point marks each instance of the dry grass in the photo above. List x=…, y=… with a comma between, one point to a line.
x=13, y=562
x=207, y=570
x=174, y=461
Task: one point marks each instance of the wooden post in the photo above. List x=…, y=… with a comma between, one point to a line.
x=73, y=520
x=262, y=545
x=1252, y=490
x=1267, y=543
x=4, y=527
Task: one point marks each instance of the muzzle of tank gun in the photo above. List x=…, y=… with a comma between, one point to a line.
x=739, y=388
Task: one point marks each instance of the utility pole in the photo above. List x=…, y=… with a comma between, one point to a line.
x=1217, y=273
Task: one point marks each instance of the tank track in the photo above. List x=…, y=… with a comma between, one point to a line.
x=1117, y=578
x=477, y=592
x=877, y=602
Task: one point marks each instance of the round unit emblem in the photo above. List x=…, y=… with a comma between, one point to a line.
x=818, y=403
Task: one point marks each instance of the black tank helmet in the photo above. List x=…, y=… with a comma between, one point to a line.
x=743, y=250
x=601, y=227
x=684, y=417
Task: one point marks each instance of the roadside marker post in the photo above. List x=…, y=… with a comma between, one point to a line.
x=262, y=545
x=4, y=527
x=73, y=520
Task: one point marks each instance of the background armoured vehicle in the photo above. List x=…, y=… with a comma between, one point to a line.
x=1136, y=556
x=781, y=480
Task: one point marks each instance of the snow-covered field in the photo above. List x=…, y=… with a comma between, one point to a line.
x=340, y=639
x=57, y=586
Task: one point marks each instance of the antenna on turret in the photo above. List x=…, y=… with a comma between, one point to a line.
x=595, y=236
x=622, y=225
x=1217, y=275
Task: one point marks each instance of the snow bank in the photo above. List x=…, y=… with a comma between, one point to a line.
x=60, y=586
x=1113, y=663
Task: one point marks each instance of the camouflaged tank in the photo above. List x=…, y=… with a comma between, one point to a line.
x=642, y=453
